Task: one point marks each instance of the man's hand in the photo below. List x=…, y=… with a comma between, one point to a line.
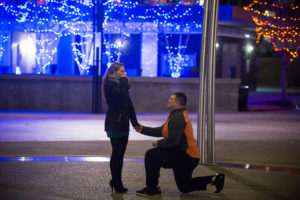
x=138, y=128
x=154, y=143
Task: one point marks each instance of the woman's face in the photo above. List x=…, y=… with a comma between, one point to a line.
x=120, y=72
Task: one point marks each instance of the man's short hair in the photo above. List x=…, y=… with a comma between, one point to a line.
x=181, y=98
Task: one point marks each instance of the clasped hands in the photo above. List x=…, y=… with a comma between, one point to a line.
x=139, y=128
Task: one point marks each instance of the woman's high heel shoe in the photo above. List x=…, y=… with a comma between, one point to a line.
x=119, y=188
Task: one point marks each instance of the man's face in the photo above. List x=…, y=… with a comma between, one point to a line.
x=172, y=103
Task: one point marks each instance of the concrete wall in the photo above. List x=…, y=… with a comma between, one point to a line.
x=49, y=93
x=151, y=94
x=74, y=93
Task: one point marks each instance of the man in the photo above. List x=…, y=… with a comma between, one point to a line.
x=177, y=150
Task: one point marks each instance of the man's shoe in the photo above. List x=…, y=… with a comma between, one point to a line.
x=149, y=191
x=219, y=182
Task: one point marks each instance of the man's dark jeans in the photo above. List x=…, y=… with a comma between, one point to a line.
x=182, y=165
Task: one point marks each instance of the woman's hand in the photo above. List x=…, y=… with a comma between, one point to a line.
x=138, y=128
x=124, y=74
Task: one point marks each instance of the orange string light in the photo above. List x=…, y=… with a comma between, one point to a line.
x=279, y=29
x=250, y=8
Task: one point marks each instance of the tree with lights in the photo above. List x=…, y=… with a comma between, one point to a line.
x=45, y=22
x=279, y=22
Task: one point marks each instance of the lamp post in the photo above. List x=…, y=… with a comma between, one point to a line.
x=206, y=86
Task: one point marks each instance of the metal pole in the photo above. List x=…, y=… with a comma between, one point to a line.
x=94, y=106
x=97, y=81
x=211, y=84
x=202, y=85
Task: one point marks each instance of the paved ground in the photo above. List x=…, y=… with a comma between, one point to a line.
x=267, y=139
x=237, y=135
x=89, y=180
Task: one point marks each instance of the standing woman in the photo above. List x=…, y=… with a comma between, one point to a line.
x=120, y=111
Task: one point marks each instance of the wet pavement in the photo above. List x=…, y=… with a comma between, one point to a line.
x=40, y=156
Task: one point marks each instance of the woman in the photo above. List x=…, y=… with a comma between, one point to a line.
x=120, y=111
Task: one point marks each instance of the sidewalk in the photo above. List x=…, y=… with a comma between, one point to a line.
x=268, y=139
x=89, y=180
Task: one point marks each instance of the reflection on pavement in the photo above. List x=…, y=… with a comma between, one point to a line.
x=247, y=166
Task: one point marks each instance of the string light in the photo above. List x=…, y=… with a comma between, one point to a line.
x=178, y=19
x=3, y=41
x=278, y=24
x=60, y=18
x=56, y=18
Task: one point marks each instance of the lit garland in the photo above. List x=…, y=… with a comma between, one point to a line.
x=113, y=14
x=3, y=41
x=44, y=56
x=67, y=17
x=175, y=56
x=3, y=35
x=73, y=17
x=277, y=23
x=1, y=52
x=82, y=54
x=178, y=19
x=29, y=11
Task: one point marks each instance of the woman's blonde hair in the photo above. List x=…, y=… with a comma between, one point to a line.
x=113, y=68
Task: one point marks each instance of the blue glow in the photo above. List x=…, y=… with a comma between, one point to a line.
x=246, y=166
x=50, y=21
x=65, y=159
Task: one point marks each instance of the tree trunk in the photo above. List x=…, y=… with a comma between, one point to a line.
x=283, y=78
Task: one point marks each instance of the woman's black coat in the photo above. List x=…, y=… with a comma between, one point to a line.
x=120, y=107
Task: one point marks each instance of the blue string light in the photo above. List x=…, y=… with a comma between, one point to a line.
x=58, y=18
